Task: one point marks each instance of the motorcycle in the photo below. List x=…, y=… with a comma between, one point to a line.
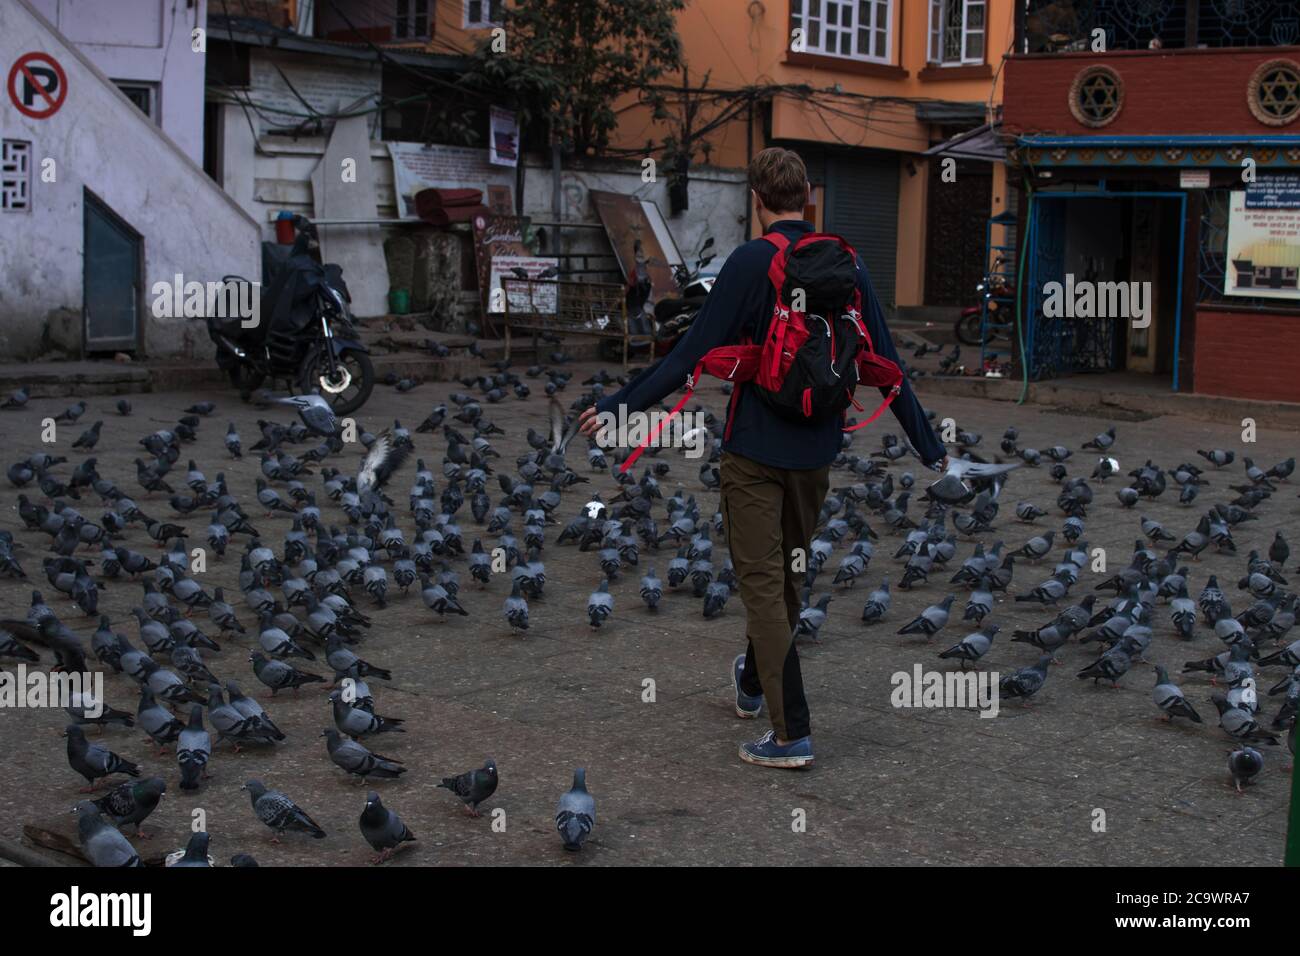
x=995, y=289
x=305, y=333
x=674, y=315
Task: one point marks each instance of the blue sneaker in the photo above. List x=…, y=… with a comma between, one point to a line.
x=766, y=752
x=746, y=706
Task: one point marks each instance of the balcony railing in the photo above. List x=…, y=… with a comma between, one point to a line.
x=1061, y=26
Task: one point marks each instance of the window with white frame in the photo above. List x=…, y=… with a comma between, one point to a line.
x=15, y=175
x=481, y=14
x=957, y=31
x=411, y=20
x=856, y=29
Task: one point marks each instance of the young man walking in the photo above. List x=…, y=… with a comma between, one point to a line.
x=775, y=472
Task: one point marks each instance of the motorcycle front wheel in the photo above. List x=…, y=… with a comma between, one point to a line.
x=350, y=385
x=968, y=329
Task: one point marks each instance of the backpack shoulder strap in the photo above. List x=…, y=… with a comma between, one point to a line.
x=776, y=270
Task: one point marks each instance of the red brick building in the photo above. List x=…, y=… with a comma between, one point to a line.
x=1157, y=142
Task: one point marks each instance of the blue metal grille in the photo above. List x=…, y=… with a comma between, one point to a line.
x=1212, y=257
x=1060, y=345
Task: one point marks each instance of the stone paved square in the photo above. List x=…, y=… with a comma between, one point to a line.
x=890, y=786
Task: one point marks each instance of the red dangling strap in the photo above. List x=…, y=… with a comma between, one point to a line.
x=690, y=390
x=893, y=393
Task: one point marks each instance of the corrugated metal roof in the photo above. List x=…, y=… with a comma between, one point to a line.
x=252, y=32
x=982, y=143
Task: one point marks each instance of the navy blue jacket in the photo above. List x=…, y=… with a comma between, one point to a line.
x=737, y=307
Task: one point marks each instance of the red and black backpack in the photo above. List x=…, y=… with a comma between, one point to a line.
x=813, y=351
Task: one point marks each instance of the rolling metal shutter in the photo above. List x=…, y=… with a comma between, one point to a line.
x=862, y=206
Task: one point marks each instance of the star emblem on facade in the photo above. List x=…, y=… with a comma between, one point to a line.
x=1279, y=92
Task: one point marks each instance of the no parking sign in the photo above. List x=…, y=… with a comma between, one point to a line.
x=37, y=85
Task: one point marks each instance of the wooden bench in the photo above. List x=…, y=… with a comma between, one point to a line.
x=560, y=307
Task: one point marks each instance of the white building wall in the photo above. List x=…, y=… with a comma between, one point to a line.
x=144, y=41
x=718, y=199
x=99, y=141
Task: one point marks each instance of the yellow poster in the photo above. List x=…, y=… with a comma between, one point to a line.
x=1263, y=251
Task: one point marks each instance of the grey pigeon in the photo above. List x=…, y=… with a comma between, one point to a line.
x=193, y=749
x=600, y=605
x=473, y=786
x=93, y=761
x=1168, y=696
x=1244, y=764
x=652, y=590
x=100, y=841
x=575, y=816
x=930, y=621
x=1111, y=666
x=1025, y=682
x=132, y=802
x=315, y=413
x=1035, y=547
x=1240, y=723
x=972, y=647
x=356, y=759
x=157, y=721
x=811, y=619
x=348, y=664
x=359, y=722
x=516, y=609
x=196, y=853
x=278, y=675
x=382, y=828
x=279, y=812
x=877, y=605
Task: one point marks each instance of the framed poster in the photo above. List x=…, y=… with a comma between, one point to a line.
x=503, y=137
x=640, y=238
x=1263, y=255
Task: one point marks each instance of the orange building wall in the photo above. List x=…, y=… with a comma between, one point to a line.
x=740, y=43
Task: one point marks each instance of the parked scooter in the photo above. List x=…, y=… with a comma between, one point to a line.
x=305, y=334
x=674, y=315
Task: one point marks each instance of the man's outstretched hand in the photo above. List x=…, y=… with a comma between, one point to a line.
x=589, y=422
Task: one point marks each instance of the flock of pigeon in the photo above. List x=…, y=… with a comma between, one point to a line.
x=314, y=580
x=323, y=577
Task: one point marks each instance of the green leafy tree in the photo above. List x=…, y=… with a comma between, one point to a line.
x=566, y=62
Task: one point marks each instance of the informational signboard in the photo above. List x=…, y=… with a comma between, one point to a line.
x=1194, y=179
x=1274, y=191
x=416, y=167
x=499, y=236
x=1263, y=255
x=503, y=137
x=37, y=85
x=535, y=297
x=283, y=80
